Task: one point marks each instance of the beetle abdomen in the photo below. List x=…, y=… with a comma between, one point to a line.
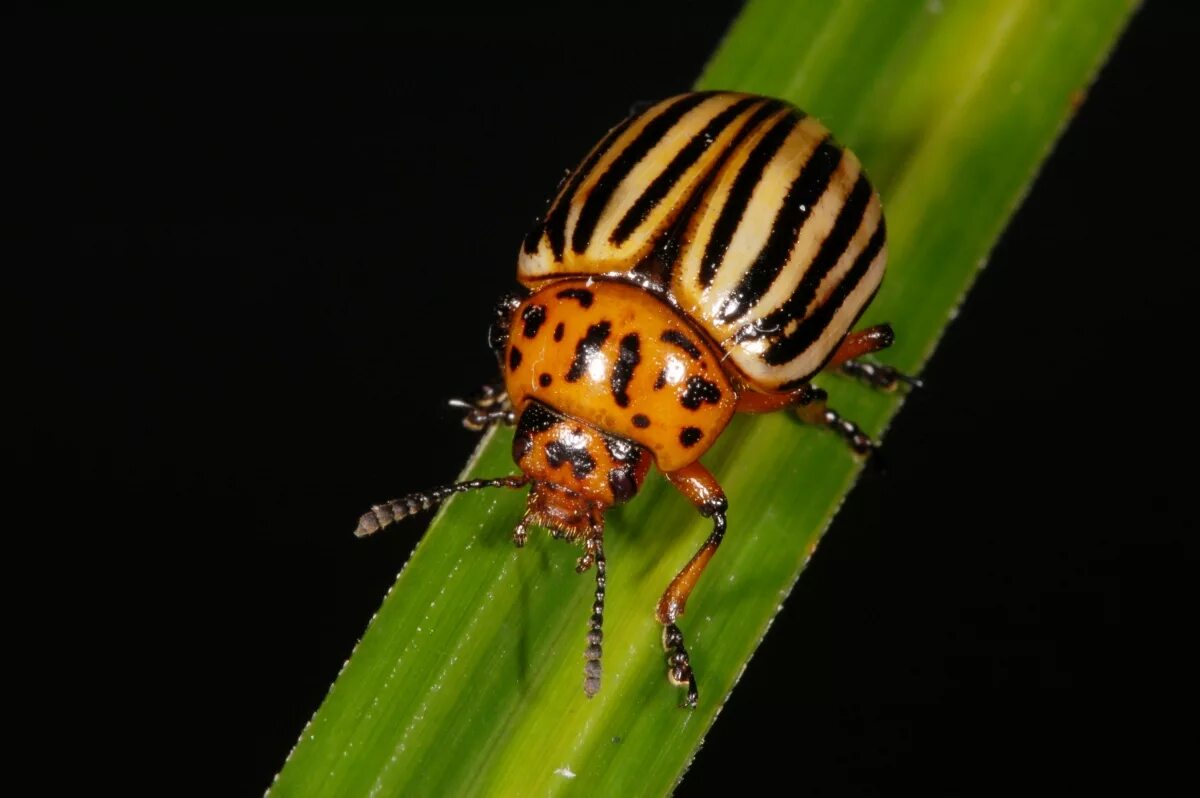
x=741, y=210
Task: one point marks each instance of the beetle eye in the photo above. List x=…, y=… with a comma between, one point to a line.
x=624, y=486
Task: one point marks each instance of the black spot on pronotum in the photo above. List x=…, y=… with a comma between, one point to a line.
x=628, y=356
x=581, y=295
x=545, y=379
x=690, y=436
x=587, y=348
x=581, y=462
x=698, y=391
x=640, y=420
x=661, y=381
x=676, y=338
x=514, y=358
x=558, y=331
x=533, y=316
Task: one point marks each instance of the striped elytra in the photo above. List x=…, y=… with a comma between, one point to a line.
x=741, y=211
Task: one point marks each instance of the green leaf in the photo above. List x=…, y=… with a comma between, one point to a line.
x=469, y=679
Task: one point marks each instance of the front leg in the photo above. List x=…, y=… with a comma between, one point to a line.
x=487, y=406
x=702, y=489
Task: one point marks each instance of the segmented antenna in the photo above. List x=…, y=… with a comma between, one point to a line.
x=595, y=637
x=382, y=515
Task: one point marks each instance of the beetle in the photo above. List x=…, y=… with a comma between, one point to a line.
x=708, y=257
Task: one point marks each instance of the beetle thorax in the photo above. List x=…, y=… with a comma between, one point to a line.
x=620, y=358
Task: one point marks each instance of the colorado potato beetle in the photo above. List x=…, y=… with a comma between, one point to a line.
x=707, y=257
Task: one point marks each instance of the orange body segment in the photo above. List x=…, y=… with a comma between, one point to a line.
x=622, y=359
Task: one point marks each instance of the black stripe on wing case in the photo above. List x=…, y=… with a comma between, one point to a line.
x=628, y=158
x=810, y=329
x=832, y=248
x=555, y=224
x=687, y=156
x=804, y=193
x=659, y=266
x=747, y=178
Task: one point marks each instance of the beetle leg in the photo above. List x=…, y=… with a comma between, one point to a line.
x=809, y=403
x=702, y=489
x=489, y=405
x=877, y=375
x=864, y=342
x=815, y=410
x=386, y=514
x=754, y=402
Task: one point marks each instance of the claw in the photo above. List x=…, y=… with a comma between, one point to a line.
x=679, y=665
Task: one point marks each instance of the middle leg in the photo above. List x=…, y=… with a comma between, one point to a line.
x=865, y=342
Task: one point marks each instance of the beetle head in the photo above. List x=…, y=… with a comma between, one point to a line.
x=576, y=471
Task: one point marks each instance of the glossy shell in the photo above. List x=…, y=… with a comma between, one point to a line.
x=622, y=359
x=741, y=211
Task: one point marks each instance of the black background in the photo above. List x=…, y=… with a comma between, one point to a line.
x=264, y=255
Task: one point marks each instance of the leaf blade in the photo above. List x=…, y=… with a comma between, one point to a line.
x=469, y=679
